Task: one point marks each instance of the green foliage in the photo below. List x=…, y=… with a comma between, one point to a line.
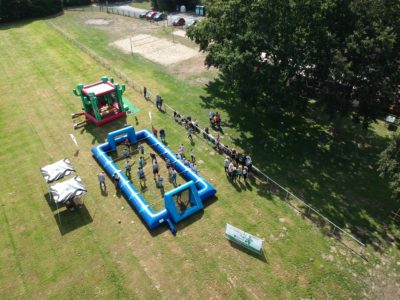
x=170, y=5
x=76, y=2
x=389, y=165
x=20, y=9
x=337, y=52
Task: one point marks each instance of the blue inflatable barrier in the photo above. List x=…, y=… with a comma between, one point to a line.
x=199, y=189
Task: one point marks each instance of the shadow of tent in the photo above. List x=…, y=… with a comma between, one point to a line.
x=50, y=202
x=68, y=221
x=260, y=257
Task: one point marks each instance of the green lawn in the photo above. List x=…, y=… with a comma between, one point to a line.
x=93, y=255
x=144, y=4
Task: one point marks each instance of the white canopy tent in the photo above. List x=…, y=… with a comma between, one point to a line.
x=65, y=192
x=68, y=190
x=57, y=170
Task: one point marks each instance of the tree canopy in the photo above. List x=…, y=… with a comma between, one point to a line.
x=389, y=165
x=345, y=54
x=170, y=5
x=11, y=10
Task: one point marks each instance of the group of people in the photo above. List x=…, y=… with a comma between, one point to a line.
x=236, y=165
x=215, y=119
x=188, y=163
x=162, y=134
x=235, y=168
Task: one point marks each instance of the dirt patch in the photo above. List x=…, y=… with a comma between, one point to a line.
x=179, y=32
x=159, y=50
x=98, y=22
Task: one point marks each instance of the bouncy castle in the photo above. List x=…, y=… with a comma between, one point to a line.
x=101, y=102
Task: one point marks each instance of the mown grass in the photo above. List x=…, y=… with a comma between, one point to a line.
x=144, y=4
x=338, y=177
x=91, y=254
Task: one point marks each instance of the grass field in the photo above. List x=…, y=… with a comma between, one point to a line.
x=141, y=4
x=91, y=255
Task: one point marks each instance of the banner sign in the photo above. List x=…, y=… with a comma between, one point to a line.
x=245, y=239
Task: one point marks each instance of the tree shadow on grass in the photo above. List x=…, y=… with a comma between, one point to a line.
x=337, y=176
x=25, y=22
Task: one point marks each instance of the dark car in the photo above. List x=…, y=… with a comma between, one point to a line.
x=159, y=16
x=179, y=22
x=150, y=14
x=144, y=14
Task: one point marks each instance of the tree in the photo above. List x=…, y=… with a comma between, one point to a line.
x=338, y=52
x=11, y=10
x=170, y=5
x=389, y=165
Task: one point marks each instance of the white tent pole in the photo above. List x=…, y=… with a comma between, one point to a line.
x=51, y=199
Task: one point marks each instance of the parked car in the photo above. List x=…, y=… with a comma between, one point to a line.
x=191, y=23
x=179, y=22
x=144, y=14
x=159, y=16
x=150, y=15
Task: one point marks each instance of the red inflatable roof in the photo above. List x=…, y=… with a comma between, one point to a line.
x=98, y=88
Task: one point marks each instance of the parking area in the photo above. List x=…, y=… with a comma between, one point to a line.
x=127, y=10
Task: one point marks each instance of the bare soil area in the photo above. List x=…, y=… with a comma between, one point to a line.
x=156, y=49
x=98, y=22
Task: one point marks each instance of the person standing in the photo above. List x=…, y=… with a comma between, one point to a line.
x=158, y=101
x=245, y=173
x=216, y=140
x=234, y=173
x=160, y=181
x=230, y=170
x=116, y=180
x=173, y=177
x=153, y=158
x=126, y=153
x=190, y=132
x=248, y=162
x=155, y=169
x=142, y=177
x=192, y=155
x=226, y=164
x=239, y=172
x=145, y=93
x=141, y=162
x=127, y=168
x=211, y=117
x=155, y=132
x=102, y=181
x=127, y=144
x=168, y=163
x=181, y=150
x=162, y=135
x=195, y=169
x=140, y=148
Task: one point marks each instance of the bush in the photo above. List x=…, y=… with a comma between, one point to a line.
x=76, y=2
x=11, y=10
x=170, y=5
